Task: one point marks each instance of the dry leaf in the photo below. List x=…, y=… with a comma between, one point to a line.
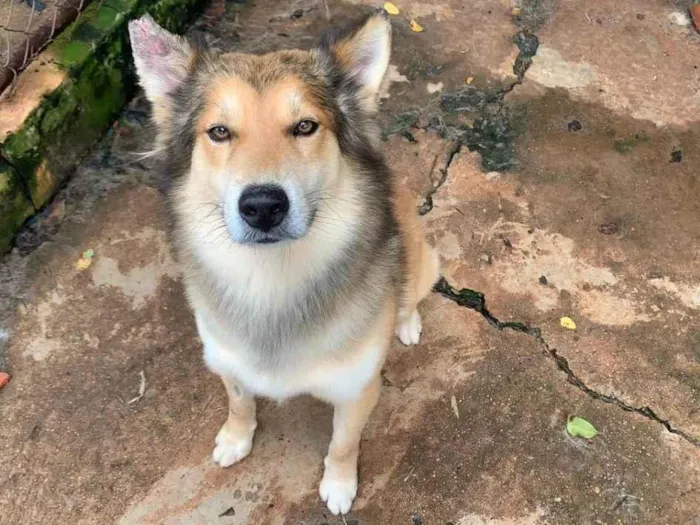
x=695, y=15
x=455, y=408
x=391, y=8
x=85, y=261
x=416, y=27
x=470, y=80
x=568, y=323
x=4, y=379
x=142, y=389
x=83, y=264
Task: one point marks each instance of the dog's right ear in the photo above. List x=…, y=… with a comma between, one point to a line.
x=361, y=51
x=162, y=59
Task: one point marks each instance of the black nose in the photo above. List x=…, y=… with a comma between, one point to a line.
x=263, y=207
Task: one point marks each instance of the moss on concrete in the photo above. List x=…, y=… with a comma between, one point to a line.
x=14, y=205
x=95, y=54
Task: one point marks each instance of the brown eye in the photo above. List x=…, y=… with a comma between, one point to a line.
x=305, y=128
x=219, y=133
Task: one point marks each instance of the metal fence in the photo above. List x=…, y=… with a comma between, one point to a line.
x=27, y=27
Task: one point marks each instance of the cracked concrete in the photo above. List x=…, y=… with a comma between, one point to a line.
x=476, y=301
x=549, y=186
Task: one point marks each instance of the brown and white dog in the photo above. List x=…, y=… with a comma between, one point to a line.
x=302, y=256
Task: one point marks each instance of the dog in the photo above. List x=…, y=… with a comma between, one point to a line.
x=302, y=255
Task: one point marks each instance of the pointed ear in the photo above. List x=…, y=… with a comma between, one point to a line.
x=362, y=52
x=162, y=59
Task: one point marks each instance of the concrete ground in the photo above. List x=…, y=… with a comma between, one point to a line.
x=553, y=150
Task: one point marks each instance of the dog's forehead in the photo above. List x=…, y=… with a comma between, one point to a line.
x=289, y=78
x=263, y=71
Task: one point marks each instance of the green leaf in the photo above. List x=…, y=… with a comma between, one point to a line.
x=579, y=427
x=88, y=254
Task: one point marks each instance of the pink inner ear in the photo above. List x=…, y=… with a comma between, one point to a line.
x=158, y=47
x=149, y=43
x=159, y=57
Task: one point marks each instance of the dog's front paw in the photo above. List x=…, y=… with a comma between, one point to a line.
x=338, y=493
x=410, y=329
x=231, y=447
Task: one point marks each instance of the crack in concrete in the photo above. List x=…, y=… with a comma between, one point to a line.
x=427, y=205
x=472, y=100
x=487, y=134
x=476, y=301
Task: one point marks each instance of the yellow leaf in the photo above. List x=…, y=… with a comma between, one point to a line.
x=516, y=11
x=470, y=80
x=416, y=27
x=568, y=323
x=391, y=8
x=83, y=264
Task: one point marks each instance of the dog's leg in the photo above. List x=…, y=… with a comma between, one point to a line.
x=339, y=485
x=422, y=267
x=424, y=271
x=235, y=439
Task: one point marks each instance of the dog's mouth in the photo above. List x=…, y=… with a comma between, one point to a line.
x=268, y=240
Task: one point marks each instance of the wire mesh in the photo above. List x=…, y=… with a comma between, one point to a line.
x=26, y=28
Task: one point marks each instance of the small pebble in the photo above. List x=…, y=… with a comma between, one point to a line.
x=609, y=228
x=575, y=125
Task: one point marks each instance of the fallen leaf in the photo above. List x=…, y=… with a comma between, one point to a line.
x=470, y=80
x=516, y=11
x=85, y=260
x=579, y=427
x=391, y=8
x=4, y=379
x=142, y=388
x=416, y=27
x=83, y=264
x=568, y=323
x=455, y=408
x=228, y=512
x=695, y=15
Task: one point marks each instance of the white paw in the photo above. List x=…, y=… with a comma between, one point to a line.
x=231, y=448
x=338, y=493
x=409, y=330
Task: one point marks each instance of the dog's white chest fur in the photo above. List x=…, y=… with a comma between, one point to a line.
x=333, y=378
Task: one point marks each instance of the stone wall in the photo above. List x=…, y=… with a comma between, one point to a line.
x=66, y=99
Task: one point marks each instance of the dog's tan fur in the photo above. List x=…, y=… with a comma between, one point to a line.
x=315, y=314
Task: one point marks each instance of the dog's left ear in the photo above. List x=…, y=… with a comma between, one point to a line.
x=362, y=52
x=162, y=59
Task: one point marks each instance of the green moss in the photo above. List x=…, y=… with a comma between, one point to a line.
x=494, y=138
x=627, y=144
x=174, y=15
x=22, y=148
x=59, y=132
x=14, y=205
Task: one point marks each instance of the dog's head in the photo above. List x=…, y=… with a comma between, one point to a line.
x=263, y=140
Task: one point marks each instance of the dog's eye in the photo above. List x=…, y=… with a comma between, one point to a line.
x=219, y=133
x=305, y=128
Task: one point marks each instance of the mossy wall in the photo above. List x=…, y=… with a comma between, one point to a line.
x=99, y=79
